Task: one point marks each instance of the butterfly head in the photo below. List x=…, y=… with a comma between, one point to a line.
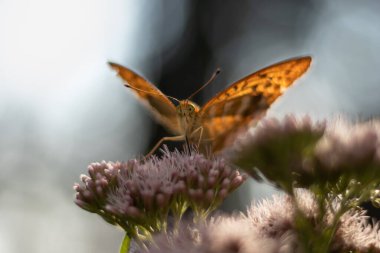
x=187, y=109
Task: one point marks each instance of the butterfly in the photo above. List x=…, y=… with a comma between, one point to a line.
x=215, y=124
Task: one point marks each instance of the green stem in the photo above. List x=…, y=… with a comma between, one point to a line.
x=124, y=247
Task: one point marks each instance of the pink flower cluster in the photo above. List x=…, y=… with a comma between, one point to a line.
x=144, y=192
x=280, y=151
x=302, y=152
x=270, y=227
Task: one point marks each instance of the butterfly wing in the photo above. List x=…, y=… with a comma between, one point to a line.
x=248, y=99
x=162, y=108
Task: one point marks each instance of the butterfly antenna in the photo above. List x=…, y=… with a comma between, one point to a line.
x=150, y=92
x=214, y=75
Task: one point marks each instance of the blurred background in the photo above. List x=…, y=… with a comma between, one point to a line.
x=61, y=107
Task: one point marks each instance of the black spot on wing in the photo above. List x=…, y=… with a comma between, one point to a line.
x=267, y=84
x=263, y=75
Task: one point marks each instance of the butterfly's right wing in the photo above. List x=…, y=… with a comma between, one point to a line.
x=248, y=99
x=162, y=108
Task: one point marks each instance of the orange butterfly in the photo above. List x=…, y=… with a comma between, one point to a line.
x=218, y=121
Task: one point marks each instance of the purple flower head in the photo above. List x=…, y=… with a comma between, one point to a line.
x=92, y=194
x=221, y=234
x=351, y=149
x=275, y=218
x=283, y=219
x=268, y=227
x=281, y=151
x=300, y=153
x=143, y=193
x=171, y=184
x=356, y=233
x=276, y=225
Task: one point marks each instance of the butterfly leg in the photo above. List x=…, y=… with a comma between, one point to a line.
x=199, y=129
x=168, y=138
x=188, y=144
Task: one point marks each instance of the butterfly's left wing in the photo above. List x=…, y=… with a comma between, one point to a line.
x=247, y=100
x=161, y=107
